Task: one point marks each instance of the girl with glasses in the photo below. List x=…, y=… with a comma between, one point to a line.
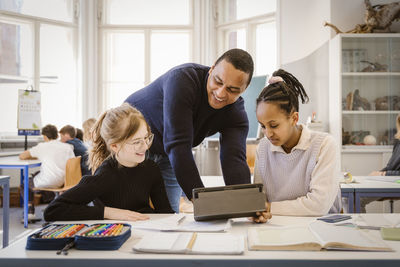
x=123, y=180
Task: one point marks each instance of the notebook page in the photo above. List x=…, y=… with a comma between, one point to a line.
x=190, y=225
x=280, y=236
x=379, y=220
x=353, y=237
x=220, y=243
x=187, y=224
x=163, y=243
x=163, y=224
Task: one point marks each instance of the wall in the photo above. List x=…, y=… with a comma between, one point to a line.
x=312, y=72
x=301, y=28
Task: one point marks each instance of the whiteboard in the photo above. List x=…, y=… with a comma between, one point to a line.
x=29, y=107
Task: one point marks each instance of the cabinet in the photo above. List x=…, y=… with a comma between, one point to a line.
x=364, y=98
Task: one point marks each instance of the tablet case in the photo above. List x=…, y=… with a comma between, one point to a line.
x=35, y=242
x=232, y=201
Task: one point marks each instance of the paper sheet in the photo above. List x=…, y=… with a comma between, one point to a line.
x=188, y=224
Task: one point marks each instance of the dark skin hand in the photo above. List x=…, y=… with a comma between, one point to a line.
x=263, y=216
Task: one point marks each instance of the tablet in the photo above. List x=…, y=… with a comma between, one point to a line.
x=232, y=201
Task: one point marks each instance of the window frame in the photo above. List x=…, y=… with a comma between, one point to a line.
x=36, y=22
x=248, y=24
x=147, y=29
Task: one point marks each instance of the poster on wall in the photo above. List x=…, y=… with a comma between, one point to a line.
x=29, y=108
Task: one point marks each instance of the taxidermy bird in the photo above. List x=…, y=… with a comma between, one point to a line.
x=377, y=18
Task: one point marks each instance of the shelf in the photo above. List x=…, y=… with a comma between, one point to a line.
x=369, y=112
x=369, y=74
x=369, y=35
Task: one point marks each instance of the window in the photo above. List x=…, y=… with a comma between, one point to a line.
x=249, y=25
x=38, y=47
x=140, y=41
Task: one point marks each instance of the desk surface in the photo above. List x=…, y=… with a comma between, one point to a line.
x=16, y=255
x=14, y=160
x=365, y=182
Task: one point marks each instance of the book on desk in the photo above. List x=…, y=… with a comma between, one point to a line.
x=191, y=243
x=317, y=236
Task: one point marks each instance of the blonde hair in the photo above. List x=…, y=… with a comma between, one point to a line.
x=397, y=135
x=87, y=126
x=114, y=126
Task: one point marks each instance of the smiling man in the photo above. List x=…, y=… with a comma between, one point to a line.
x=189, y=103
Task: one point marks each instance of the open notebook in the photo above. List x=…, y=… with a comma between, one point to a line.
x=191, y=243
x=318, y=235
x=183, y=223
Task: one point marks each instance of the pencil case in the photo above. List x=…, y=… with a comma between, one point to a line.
x=81, y=236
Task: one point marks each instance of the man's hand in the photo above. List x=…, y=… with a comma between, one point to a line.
x=264, y=216
x=125, y=215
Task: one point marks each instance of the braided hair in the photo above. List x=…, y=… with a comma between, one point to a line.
x=285, y=93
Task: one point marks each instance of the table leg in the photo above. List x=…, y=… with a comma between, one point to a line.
x=350, y=200
x=6, y=212
x=357, y=202
x=26, y=195
x=21, y=182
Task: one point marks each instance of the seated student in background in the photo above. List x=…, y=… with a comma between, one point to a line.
x=393, y=166
x=87, y=126
x=123, y=182
x=296, y=165
x=79, y=134
x=54, y=156
x=68, y=135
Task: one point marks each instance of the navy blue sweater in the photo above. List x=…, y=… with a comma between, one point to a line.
x=177, y=110
x=81, y=150
x=393, y=166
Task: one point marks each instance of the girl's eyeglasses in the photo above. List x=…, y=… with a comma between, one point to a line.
x=139, y=142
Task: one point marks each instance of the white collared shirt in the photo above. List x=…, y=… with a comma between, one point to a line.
x=304, y=182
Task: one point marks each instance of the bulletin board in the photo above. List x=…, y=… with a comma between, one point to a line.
x=29, y=112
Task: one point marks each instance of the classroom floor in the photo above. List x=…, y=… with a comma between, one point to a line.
x=17, y=229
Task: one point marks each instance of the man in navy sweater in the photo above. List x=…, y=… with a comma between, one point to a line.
x=191, y=102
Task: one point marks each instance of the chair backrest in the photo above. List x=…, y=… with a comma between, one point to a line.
x=73, y=173
x=251, y=156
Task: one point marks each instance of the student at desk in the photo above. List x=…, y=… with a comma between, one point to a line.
x=68, y=135
x=296, y=165
x=392, y=168
x=123, y=181
x=54, y=156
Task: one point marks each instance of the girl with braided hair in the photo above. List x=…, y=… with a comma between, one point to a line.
x=123, y=180
x=297, y=166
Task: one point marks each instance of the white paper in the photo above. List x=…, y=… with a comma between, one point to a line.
x=29, y=110
x=188, y=224
x=205, y=243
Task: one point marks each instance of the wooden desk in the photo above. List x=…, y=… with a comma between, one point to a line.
x=5, y=183
x=13, y=162
x=372, y=188
x=16, y=255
